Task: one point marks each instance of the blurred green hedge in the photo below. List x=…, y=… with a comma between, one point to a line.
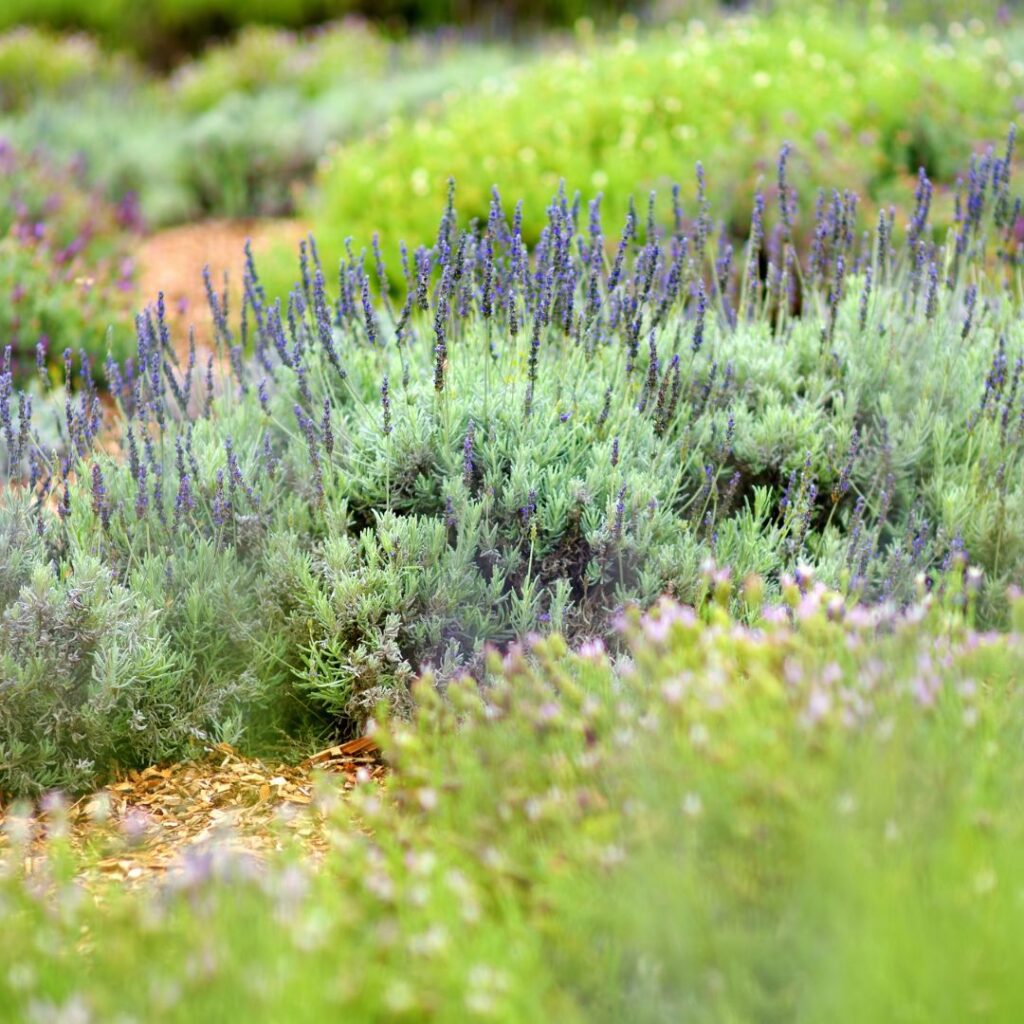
x=161, y=31
x=866, y=105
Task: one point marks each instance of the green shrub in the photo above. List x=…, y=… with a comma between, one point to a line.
x=537, y=441
x=165, y=30
x=126, y=140
x=109, y=662
x=261, y=58
x=68, y=646
x=864, y=105
x=237, y=133
x=240, y=130
x=34, y=64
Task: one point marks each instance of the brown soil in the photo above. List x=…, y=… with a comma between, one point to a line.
x=172, y=261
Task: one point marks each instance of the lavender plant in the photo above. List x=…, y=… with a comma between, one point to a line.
x=536, y=438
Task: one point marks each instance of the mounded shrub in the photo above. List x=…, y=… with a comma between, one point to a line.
x=35, y=63
x=865, y=105
x=238, y=131
x=166, y=30
x=537, y=439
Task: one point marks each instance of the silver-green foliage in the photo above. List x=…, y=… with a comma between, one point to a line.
x=530, y=441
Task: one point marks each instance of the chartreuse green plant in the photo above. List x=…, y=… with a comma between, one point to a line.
x=805, y=818
x=527, y=439
x=865, y=104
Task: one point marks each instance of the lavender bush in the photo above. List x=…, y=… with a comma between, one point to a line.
x=534, y=439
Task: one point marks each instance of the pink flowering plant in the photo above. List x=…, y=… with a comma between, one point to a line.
x=800, y=809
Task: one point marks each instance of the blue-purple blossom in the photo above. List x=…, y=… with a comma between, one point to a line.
x=785, y=193
x=100, y=504
x=620, y=513
x=698, y=325
x=468, y=466
x=385, y=403
x=312, y=446
x=326, y=430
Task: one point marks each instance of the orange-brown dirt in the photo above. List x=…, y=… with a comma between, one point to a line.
x=172, y=261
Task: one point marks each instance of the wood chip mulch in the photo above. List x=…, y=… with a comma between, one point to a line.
x=138, y=828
